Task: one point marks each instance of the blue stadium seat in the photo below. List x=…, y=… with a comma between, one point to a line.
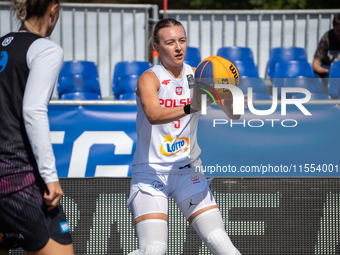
x=129, y=68
x=314, y=96
x=291, y=69
x=127, y=96
x=193, y=56
x=78, y=76
x=79, y=67
x=126, y=84
x=313, y=85
x=257, y=84
x=333, y=85
x=236, y=53
x=247, y=69
x=78, y=83
x=284, y=54
x=80, y=96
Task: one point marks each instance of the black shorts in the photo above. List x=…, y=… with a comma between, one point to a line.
x=25, y=221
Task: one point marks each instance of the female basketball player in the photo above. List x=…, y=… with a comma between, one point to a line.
x=30, y=214
x=167, y=151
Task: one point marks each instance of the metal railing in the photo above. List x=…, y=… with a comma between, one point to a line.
x=261, y=30
x=102, y=33
x=108, y=33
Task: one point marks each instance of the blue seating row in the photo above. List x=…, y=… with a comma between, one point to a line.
x=284, y=63
x=79, y=80
x=287, y=67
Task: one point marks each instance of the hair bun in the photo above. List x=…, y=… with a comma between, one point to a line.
x=21, y=8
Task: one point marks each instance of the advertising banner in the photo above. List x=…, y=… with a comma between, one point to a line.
x=93, y=141
x=100, y=140
x=291, y=145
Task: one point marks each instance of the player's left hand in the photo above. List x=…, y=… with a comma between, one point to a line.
x=53, y=195
x=227, y=107
x=228, y=102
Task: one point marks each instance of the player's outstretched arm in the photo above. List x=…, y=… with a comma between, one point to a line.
x=147, y=89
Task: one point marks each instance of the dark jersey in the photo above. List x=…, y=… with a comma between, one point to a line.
x=18, y=161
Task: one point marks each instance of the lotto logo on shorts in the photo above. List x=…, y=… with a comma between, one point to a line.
x=64, y=227
x=157, y=185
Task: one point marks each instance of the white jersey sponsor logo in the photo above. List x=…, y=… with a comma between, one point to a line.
x=7, y=41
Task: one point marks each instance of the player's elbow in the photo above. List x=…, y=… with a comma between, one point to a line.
x=153, y=120
x=153, y=116
x=33, y=116
x=27, y=114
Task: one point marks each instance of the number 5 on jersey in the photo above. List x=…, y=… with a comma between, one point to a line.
x=177, y=123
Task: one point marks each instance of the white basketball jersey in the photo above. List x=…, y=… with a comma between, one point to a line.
x=172, y=146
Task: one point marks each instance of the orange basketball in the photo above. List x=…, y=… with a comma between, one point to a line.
x=216, y=70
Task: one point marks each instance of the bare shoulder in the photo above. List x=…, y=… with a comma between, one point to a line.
x=148, y=74
x=147, y=77
x=147, y=81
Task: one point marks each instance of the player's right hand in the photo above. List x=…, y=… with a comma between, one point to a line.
x=53, y=195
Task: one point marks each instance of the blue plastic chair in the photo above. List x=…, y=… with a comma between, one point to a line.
x=283, y=54
x=78, y=76
x=313, y=85
x=257, y=84
x=127, y=96
x=235, y=53
x=129, y=68
x=314, y=96
x=78, y=83
x=247, y=69
x=333, y=85
x=193, y=56
x=291, y=69
x=87, y=68
x=125, y=84
x=80, y=96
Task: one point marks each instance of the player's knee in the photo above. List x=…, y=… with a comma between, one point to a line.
x=219, y=243
x=154, y=248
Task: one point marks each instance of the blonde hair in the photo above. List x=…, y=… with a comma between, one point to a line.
x=169, y=22
x=26, y=9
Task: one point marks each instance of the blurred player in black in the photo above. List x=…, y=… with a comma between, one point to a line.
x=30, y=214
x=328, y=50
